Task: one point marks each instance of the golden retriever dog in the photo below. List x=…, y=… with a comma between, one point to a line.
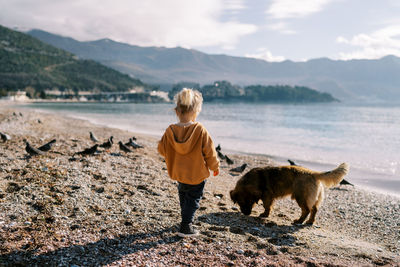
x=270, y=183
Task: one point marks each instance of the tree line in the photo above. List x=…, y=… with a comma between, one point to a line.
x=224, y=91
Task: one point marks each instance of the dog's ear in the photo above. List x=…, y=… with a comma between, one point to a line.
x=233, y=196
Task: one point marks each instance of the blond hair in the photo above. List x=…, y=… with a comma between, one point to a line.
x=188, y=100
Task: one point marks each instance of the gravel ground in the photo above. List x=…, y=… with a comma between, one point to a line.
x=121, y=209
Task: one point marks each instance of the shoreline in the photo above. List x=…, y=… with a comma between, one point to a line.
x=391, y=186
x=124, y=209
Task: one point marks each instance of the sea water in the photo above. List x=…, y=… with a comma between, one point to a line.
x=318, y=136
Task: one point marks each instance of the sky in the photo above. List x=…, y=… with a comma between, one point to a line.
x=273, y=30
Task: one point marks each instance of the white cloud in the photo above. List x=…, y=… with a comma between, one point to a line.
x=234, y=4
x=265, y=54
x=147, y=23
x=228, y=47
x=385, y=41
x=281, y=27
x=282, y=9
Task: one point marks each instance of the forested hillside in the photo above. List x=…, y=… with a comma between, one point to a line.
x=225, y=91
x=27, y=62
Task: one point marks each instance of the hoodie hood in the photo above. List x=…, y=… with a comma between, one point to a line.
x=184, y=138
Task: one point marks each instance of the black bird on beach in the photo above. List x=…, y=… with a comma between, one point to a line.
x=239, y=169
x=93, y=137
x=31, y=150
x=108, y=144
x=220, y=155
x=88, y=151
x=218, y=148
x=133, y=144
x=228, y=160
x=46, y=147
x=5, y=137
x=344, y=181
x=124, y=147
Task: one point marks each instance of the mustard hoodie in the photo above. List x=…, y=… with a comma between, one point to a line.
x=189, y=153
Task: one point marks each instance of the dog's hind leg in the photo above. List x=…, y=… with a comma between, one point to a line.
x=305, y=210
x=311, y=220
x=315, y=207
x=304, y=213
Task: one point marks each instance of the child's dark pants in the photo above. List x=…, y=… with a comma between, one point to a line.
x=189, y=198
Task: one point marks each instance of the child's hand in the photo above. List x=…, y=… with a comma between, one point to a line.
x=216, y=172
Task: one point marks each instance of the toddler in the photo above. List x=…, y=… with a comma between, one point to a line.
x=189, y=153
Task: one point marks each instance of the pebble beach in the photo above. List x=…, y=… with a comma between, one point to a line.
x=118, y=208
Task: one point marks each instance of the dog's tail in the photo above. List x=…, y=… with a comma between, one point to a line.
x=333, y=177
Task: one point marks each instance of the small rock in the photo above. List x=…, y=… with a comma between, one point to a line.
x=236, y=230
x=74, y=227
x=13, y=187
x=142, y=187
x=240, y=251
x=270, y=224
x=74, y=187
x=50, y=219
x=252, y=239
x=39, y=206
x=217, y=228
x=100, y=190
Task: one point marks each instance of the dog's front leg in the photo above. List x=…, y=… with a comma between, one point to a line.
x=267, y=203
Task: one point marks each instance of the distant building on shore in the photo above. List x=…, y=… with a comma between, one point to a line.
x=17, y=96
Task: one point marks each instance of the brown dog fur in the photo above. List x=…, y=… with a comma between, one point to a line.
x=271, y=183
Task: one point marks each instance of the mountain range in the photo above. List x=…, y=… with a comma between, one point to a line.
x=353, y=80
